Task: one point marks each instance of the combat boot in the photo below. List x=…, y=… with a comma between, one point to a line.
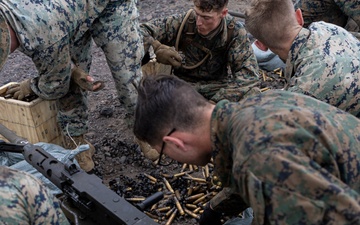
x=84, y=158
x=147, y=150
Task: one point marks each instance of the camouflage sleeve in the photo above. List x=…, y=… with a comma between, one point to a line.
x=351, y=8
x=244, y=68
x=234, y=93
x=242, y=59
x=54, y=67
x=25, y=200
x=117, y=32
x=163, y=30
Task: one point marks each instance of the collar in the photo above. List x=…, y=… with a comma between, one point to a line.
x=220, y=144
x=295, y=48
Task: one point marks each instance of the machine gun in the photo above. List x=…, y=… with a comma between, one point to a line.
x=85, y=199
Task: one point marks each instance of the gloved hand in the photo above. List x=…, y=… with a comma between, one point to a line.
x=210, y=217
x=85, y=81
x=20, y=90
x=166, y=55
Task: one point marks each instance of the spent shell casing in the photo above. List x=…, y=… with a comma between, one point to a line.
x=207, y=173
x=168, y=213
x=152, y=216
x=191, y=206
x=179, y=174
x=183, y=167
x=191, y=214
x=200, y=199
x=172, y=217
x=194, y=197
x=178, y=206
x=138, y=199
x=151, y=177
x=168, y=186
x=197, y=210
x=163, y=209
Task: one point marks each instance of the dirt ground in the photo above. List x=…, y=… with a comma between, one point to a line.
x=118, y=161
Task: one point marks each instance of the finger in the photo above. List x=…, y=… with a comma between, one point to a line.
x=16, y=95
x=98, y=85
x=90, y=78
x=174, y=62
x=177, y=56
x=13, y=90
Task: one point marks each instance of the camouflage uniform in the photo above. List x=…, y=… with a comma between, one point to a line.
x=54, y=32
x=332, y=11
x=324, y=62
x=292, y=158
x=211, y=78
x=25, y=200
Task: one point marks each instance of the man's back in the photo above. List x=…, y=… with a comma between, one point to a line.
x=293, y=159
x=325, y=64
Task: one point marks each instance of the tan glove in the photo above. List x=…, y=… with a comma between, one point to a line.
x=166, y=55
x=20, y=90
x=81, y=78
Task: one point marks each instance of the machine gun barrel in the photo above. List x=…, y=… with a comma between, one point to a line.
x=93, y=202
x=11, y=136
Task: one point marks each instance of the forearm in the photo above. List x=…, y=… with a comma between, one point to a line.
x=164, y=30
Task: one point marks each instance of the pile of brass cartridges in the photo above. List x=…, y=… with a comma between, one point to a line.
x=272, y=80
x=185, y=193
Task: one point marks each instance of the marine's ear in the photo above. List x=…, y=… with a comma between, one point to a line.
x=176, y=141
x=299, y=17
x=224, y=12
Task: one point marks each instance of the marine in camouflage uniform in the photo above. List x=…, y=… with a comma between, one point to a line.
x=211, y=78
x=293, y=159
x=25, y=200
x=338, y=12
x=324, y=63
x=57, y=33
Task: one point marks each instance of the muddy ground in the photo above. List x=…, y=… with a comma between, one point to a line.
x=118, y=161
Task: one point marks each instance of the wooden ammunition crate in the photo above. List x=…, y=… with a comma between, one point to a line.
x=36, y=120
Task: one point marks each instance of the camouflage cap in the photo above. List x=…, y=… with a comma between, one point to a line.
x=4, y=40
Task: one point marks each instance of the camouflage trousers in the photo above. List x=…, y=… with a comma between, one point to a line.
x=123, y=54
x=111, y=25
